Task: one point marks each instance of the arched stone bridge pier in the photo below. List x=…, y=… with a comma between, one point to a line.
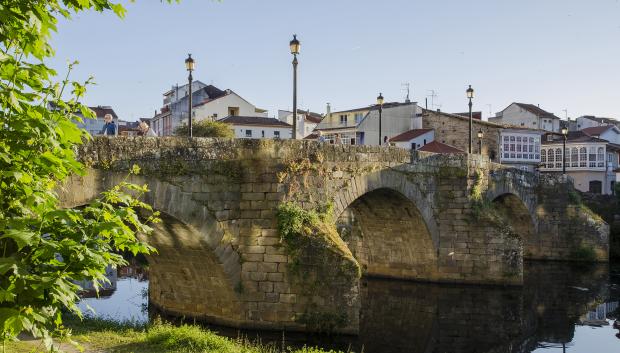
x=441, y=218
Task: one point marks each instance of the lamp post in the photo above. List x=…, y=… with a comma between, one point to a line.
x=564, y=135
x=189, y=65
x=294, y=44
x=480, y=136
x=470, y=96
x=380, y=104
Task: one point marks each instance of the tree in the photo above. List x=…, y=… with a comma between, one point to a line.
x=206, y=128
x=44, y=250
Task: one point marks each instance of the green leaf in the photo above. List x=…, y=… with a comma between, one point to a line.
x=6, y=264
x=21, y=237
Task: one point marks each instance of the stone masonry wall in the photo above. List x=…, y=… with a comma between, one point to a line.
x=222, y=258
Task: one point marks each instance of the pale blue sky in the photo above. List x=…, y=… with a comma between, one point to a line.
x=561, y=54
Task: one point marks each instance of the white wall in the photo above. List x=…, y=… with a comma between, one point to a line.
x=395, y=121
x=583, y=123
x=517, y=116
x=419, y=141
x=304, y=127
x=261, y=131
x=221, y=105
x=611, y=135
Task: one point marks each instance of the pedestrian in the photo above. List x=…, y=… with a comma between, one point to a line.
x=321, y=137
x=109, y=128
x=337, y=139
x=145, y=130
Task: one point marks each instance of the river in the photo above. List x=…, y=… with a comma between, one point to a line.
x=560, y=308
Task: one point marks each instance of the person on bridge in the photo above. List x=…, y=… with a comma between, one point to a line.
x=145, y=130
x=109, y=128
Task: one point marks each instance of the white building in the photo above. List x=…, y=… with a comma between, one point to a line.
x=606, y=132
x=520, y=148
x=94, y=126
x=307, y=121
x=587, y=121
x=527, y=116
x=257, y=127
x=361, y=126
x=413, y=139
x=591, y=162
x=208, y=102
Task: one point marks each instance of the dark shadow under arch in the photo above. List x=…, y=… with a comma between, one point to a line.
x=388, y=236
x=514, y=211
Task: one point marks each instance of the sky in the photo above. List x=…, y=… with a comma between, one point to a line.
x=559, y=54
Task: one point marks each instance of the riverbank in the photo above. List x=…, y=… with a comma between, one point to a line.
x=103, y=336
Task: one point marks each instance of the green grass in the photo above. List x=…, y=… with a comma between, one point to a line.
x=97, y=335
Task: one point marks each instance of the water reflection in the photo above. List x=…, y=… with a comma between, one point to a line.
x=561, y=307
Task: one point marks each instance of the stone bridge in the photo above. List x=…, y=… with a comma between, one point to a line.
x=364, y=211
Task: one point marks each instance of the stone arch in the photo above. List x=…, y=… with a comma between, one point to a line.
x=516, y=213
x=197, y=270
x=520, y=184
x=387, y=234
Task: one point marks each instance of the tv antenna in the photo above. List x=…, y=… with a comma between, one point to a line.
x=565, y=114
x=432, y=94
x=490, y=110
x=406, y=86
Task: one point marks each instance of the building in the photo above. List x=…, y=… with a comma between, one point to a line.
x=474, y=115
x=307, y=121
x=520, y=148
x=528, y=116
x=413, y=139
x=452, y=129
x=610, y=133
x=208, y=102
x=257, y=127
x=361, y=126
x=586, y=121
x=590, y=161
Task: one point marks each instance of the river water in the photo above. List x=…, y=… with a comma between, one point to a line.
x=560, y=308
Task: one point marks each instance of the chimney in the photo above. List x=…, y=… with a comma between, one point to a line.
x=329, y=110
x=416, y=121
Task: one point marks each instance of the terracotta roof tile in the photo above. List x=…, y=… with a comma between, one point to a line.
x=438, y=147
x=408, y=135
x=254, y=120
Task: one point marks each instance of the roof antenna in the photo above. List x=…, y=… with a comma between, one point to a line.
x=432, y=95
x=490, y=110
x=565, y=113
x=406, y=85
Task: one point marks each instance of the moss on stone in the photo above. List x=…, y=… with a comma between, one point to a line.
x=583, y=253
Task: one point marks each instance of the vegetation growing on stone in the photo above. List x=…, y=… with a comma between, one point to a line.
x=206, y=128
x=319, y=261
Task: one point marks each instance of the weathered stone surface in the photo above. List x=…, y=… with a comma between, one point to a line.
x=404, y=216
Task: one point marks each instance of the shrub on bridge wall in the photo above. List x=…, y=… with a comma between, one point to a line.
x=319, y=261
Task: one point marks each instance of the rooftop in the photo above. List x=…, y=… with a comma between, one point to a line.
x=597, y=130
x=536, y=110
x=438, y=147
x=375, y=107
x=254, y=120
x=408, y=135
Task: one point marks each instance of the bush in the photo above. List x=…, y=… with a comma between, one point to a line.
x=206, y=128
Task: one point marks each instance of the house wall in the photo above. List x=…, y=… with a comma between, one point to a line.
x=219, y=108
x=419, y=141
x=257, y=131
x=582, y=180
x=394, y=121
x=583, y=123
x=452, y=130
x=517, y=116
x=304, y=127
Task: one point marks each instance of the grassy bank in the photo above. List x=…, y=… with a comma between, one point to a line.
x=107, y=336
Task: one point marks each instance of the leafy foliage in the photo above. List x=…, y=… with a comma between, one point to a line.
x=206, y=128
x=44, y=249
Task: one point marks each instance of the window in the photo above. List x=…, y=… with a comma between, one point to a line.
x=233, y=111
x=248, y=133
x=358, y=117
x=550, y=158
x=592, y=157
x=424, y=142
x=583, y=157
x=413, y=146
x=601, y=157
x=574, y=157
x=543, y=158
x=276, y=134
x=343, y=119
x=596, y=187
x=558, y=158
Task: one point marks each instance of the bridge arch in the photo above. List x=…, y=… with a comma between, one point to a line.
x=386, y=230
x=197, y=269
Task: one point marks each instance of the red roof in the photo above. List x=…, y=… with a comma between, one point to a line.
x=438, y=147
x=408, y=135
x=597, y=130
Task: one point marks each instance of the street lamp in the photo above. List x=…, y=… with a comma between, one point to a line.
x=480, y=136
x=380, y=104
x=189, y=65
x=564, y=135
x=294, y=44
x=470, y=96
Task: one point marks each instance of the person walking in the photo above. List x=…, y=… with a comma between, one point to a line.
x=109, y=128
